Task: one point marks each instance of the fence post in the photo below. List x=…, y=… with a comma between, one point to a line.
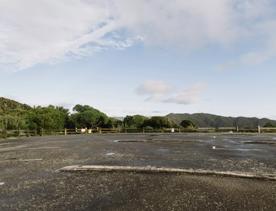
x=259, y=129
x=65, y=131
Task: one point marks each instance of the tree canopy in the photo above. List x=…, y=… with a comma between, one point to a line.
x=136, y=121
x=88, y=117
x=187, y=124
x=270, y=124
x=49, y=118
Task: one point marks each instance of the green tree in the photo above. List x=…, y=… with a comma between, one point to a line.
x=128, y=121
x=269, y=124
x=87, y=116
x=48, y=118
x=187, y=124
x=158, y=122
x=139, y=121
x=117, y=123
x=136, y=121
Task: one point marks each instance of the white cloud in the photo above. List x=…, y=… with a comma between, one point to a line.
x=160, y=91
x=258, y=32
x=178, y=22
x=154, y=90
x=187, y=96
x=45, y=31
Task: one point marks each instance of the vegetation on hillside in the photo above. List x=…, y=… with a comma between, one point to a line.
x=187, y=124
x=14, y=116
x=270, y=124
x=215, y=121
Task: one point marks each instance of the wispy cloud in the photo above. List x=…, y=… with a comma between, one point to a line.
x=258, y=32
x=47, y=31
x=187, y=96
x=160, y=91
x=154, y=90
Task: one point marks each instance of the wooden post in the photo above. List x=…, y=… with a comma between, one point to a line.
x=5, y=133
x=259, y=129
x=65, y=131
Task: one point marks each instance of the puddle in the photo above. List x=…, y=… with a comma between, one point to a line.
x=130, y=141
x=247, y=150
x=239, y=149
x=38, y=148
x=21, y=160
x=30, y=160
x=11, y=158
x=260, y=142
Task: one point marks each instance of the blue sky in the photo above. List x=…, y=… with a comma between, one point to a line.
x=147, y=57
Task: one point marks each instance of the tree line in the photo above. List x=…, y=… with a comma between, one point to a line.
x=16, y=116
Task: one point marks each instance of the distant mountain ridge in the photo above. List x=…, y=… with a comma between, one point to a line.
x=211, y=120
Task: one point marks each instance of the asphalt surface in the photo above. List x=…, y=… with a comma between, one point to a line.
x=29, y=179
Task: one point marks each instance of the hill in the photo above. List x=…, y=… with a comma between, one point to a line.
x=11, y=106
x=210, y=120
x=12, y=113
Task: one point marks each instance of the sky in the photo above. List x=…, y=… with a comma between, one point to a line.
x=151, y=57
